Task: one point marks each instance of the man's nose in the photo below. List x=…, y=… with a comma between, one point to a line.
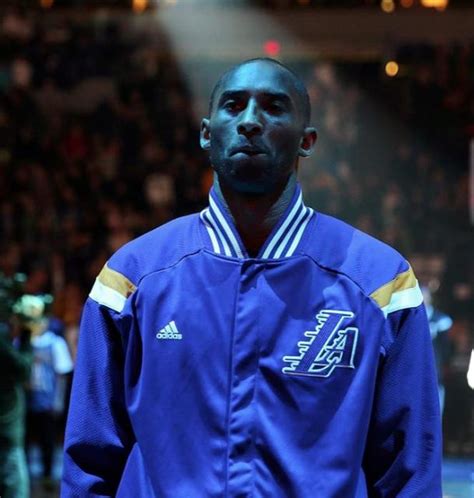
x=250, y=123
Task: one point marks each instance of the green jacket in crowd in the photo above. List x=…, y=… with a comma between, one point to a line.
x=15, y=369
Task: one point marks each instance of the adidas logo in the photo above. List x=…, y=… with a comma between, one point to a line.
x=169, y=331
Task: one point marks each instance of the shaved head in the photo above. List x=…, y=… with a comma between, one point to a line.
x=300, y=88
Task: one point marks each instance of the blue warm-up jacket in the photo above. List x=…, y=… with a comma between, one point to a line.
x=305, y=372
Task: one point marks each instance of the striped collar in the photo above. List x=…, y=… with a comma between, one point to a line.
x=282, y=242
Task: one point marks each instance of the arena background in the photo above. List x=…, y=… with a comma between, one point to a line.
x=100, y=103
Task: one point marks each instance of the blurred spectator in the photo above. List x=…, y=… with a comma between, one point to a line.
x=47, y=387
x=440, y=324
x=15, y=366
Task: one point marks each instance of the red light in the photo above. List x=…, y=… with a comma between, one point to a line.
x=271, y=48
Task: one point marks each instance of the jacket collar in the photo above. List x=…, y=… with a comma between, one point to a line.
x=282, y=242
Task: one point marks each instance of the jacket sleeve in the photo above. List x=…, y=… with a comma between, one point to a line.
x=403, y=452
x=98, y=433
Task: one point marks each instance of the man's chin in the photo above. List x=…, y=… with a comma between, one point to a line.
x=247, y=177
x=249, y=185
x=251, y=189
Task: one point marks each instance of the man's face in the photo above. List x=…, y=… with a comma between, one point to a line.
x=255, y=129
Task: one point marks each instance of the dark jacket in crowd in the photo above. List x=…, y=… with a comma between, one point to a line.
x=15, y=369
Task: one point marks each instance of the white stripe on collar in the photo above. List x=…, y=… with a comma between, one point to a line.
x=289, y=236
x=214, y=209
x=282, y=243
x=220, y=236
x=210, y=231
x=276, y=238
x=299, y=233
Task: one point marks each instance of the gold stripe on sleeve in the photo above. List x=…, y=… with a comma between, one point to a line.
x=404, y=281
x=116, y=281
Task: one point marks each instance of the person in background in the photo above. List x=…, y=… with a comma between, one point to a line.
x=15, y=367
x=51, y=362
x=440, y=323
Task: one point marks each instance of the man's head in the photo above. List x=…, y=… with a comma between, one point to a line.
x=257, y=126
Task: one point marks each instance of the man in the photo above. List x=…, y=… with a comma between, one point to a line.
x=258, y=348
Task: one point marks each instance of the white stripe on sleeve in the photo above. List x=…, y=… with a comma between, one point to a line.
x=407, y=298
x=107, y=296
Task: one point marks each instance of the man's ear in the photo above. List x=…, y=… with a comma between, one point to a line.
x=308, y=142
x=205, y=134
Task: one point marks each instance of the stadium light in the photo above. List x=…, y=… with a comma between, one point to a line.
x=139, y=5
x=387, y=6
x=182, y=27
x=391, y=69
x=437, y=4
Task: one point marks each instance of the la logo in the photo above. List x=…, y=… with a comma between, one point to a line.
x=326, y=348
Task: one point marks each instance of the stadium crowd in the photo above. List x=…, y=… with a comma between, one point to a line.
x=99, y=143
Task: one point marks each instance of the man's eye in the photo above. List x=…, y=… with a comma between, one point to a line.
x=231, y=106
x=275, y=108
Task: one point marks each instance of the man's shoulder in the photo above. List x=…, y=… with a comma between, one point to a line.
x=157, y=249
x=369, y=262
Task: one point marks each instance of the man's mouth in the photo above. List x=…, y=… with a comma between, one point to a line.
x=248, y=150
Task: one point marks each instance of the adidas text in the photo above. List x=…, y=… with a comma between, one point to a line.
x=170, y=331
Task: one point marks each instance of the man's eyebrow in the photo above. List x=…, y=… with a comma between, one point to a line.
x=284, y=97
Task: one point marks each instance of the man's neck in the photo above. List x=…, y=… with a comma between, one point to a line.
x=255, y=215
